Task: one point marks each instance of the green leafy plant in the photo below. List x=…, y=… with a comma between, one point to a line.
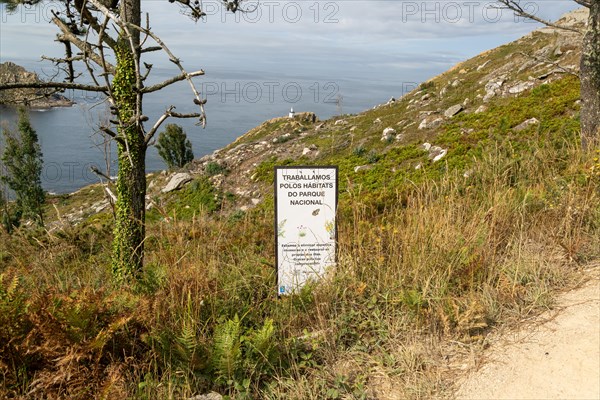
x=22, y=158
x=213, y=168
x=174, y=147
x=227, y=350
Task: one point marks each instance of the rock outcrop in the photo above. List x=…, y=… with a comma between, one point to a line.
x=35, y=98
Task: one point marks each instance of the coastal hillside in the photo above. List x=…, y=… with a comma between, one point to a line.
x=465, y=207
x=35, y=98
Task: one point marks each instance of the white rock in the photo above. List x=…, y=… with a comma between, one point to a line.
x=452, y=111
x=306, y=151
x=377, y=121
x=426, y=146
x=340, y=122
x=359, y=168
x=482, y=66
x=255, y=201
x=438, y=155
x=520, y=87
x=431, y=124
x=481, y=109
x=177, y=181
x=389, y=132
x=526, y=124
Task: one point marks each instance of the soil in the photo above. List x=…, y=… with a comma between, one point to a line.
x=555, y=357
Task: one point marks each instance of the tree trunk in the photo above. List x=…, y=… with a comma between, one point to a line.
x=128, y=242
x=590, y=80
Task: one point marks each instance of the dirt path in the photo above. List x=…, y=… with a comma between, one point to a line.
x=556, y=358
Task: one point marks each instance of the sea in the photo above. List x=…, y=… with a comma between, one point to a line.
x=237, y=102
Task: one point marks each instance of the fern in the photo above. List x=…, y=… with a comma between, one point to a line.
x=260, y=348
x=187, y=339
x=227, y=352
x=7, y=294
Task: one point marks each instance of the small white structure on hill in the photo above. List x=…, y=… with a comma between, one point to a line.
x=292, y=113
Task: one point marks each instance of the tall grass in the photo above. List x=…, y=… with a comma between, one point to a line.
x=444, y=261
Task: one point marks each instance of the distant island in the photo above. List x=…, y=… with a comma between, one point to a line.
x=34, y=98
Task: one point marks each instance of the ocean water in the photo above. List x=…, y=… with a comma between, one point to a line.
x=237, y=102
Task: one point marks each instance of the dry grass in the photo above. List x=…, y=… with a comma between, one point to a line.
x=425, y=270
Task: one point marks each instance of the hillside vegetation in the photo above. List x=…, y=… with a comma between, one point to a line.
x=450, y=225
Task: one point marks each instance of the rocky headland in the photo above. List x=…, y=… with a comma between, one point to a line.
x=34, y=98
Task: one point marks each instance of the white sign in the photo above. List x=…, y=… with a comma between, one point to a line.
x=305, y=225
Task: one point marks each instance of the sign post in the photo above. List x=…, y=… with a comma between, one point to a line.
x=305, y=224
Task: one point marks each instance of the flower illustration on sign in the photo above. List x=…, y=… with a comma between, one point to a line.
x=302, y=231
x=330, y=228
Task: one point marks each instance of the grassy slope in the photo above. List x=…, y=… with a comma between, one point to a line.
x=430, y=260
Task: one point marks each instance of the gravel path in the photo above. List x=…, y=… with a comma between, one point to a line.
x=558, y=357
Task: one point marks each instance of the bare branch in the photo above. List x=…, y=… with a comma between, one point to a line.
x=555, y=64
x=151, y=49
x=178, y=78
x=112, y=134
x=53, y=85
x=67, y=35
x=95, y=170
x=176, y=61
x=520, y=11
x=585, y=3
x=168, y=113
x=65, y=60
x=134, y=50
x=103, y=57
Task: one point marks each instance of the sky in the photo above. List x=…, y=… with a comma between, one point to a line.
x=367, y=39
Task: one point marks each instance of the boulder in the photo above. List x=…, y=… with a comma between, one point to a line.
x=492, y=88
x=425, y=124
x=526, y=124
x=436, y=153
x=177, y=181
x=520, y=87
x=388, y=134
x=452, y=111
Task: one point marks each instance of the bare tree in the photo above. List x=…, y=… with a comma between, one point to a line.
x=94, y=32
x=589, y=68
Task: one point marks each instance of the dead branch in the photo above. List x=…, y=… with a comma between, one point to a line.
x=168, y=113
x=86, y=48
x=520, y=11
x=187, y=76
x=53, y=85
x=178, y=78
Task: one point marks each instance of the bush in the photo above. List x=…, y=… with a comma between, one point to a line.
x=22, y=158
x=174, y=147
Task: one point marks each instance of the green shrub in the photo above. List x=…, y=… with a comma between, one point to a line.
x=174, y=147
